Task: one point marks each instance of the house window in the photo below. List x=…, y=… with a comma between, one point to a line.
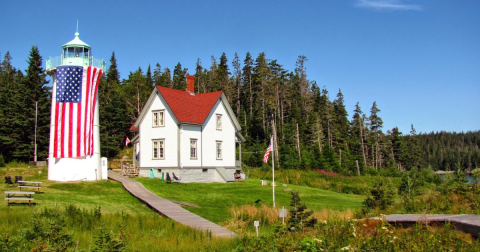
x=158, y=149
x=219, y=150
x=158, y=118
x=193, y=148
x=219, y=122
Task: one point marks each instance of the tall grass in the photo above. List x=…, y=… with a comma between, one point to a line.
x=322, y=180
x=243, y=217
x=362, y=235
x=81, y=228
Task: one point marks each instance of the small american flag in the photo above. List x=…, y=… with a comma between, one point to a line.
x=75, y=89
x=267, y=153
x=127, y=141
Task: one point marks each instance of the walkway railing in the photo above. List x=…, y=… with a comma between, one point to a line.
x=54, y=62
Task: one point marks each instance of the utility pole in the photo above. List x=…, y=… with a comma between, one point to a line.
x=35, y=152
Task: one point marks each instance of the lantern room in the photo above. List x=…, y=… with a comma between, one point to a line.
x=75, y=53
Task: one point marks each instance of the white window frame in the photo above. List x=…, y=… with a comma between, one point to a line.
x=219, y=121
x=193, y=148
x=218, y=150
x=158, y=118
x=158, y=147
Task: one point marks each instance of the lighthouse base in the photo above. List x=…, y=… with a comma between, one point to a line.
x=75, y=169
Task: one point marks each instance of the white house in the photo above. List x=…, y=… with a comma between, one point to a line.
x=194, y=136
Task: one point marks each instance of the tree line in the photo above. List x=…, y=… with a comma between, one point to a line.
x=311, y=129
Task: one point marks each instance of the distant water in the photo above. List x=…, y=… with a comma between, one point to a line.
x=470, y=178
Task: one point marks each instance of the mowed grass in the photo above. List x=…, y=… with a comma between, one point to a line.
x=109, y=195
x=216, y=199
x=144, y=229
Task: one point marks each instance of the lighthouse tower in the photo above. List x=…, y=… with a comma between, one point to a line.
x=74, y=151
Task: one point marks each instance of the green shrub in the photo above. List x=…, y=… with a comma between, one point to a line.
x=300, y=216
x=2, y=161
x=381, y=195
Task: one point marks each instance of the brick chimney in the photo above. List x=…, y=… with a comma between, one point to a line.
x=191, y=84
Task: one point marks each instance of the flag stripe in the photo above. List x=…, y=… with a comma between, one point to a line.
x=85, y=135
x=95, y=88
x=78, y=130
x=62, y=133
x=55, y=135
x=70, y=129
x=267, y=153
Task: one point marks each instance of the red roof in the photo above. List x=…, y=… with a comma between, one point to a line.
x=133, y=128
x=187, y=107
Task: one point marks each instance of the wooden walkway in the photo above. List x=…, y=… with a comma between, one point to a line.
x=169, y=209
x=463, y=222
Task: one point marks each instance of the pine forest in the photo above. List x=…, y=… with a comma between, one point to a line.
x=311, y=125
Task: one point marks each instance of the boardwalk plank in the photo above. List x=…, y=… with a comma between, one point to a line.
x=464, y=222
x=169, y=209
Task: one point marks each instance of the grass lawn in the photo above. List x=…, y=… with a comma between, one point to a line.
x=109, y=195
x=215, y=199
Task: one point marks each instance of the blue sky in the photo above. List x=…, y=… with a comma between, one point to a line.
x=418, y=59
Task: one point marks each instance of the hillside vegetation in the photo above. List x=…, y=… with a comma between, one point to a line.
x=102, y=216
x=312, y=128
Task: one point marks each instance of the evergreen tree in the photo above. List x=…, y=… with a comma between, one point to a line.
x=113, y=76
x=148, y=78
x=135, y=91
x=303, y=83
x=376, y=125
x=237, y=73
x=179, y=78
x=112, y=108
x=222, y=78
x=34, y=90
x=247, y=79
x=157, y=75
x=412, y=160
x=261, y=73
x=399, y=147
x=200, y=78
x=166, y=78
x=300, y=216
x=357, y=139
x=10, y=80
x=341, y=122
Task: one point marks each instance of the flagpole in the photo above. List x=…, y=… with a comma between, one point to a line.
x=273, y=171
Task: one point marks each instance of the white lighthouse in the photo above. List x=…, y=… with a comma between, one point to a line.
x=74, y=151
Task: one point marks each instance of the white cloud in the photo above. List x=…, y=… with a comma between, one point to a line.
x=387, y=5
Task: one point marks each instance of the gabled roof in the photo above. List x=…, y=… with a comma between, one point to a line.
x=133, y=128
x=188, y=107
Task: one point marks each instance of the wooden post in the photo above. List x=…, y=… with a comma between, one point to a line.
x=35, y=151
x=298, y=143
x=275, y=142
x=358, y=168
x=273, y=171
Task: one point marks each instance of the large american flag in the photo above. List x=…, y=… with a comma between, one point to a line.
x=267, y=153
x=75, y=89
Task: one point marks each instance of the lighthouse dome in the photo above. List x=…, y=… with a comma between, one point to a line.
x=76, y=42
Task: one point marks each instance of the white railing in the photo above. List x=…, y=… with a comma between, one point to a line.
x=54, y=62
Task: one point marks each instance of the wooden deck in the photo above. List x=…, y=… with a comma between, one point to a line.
x=169, y=209
x=463, y=222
